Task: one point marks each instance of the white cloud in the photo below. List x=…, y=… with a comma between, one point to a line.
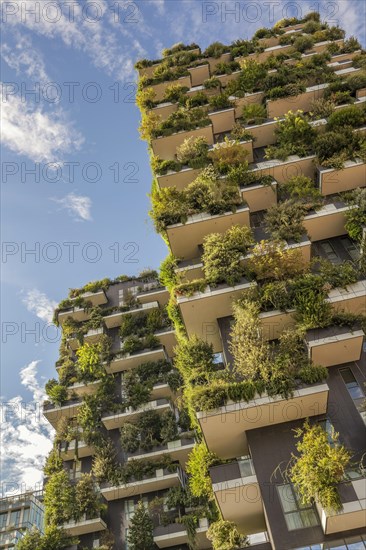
x=29, y=131
x=38, y=303
x=26, y=436
x=24, y=58
x=77, y=206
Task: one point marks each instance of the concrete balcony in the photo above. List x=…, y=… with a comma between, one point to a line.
x=222, y=121
x=80, y=449
x=199, y=74
x=167, y=536
x=263, y=56
x=116, y=420
x=180, y=179
x=214, y=61
x=247, y=99
x=94, y=335
x=148, y=71
x=333, y=181
x=164, y=110
x=185, y=238
x=238, y=495
x=159, y=294
x=165, y=147
x=334, y=345
x=84, y=388
x=275, y=322
x=351, y=299
x=97, y=298
x=282, y=171
x=201, y=311
x=326, y=223
x=84, y=526
x=122, y=362
x=259, y=197
x=224, y=428
x=163, y=479
x=263, y=134
x=178, y=450
x=54, y=413
x=224, y=79
x=114, y=320
x=75, y=313
x=160, y=88
x=353, y=515
x=279, y=107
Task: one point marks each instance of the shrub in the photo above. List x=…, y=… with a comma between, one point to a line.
x=195, y=100
x=351, y=45
x=191, y=287
x=199, y=462
x=322, y=108
x=311, y=374
x=251, y=77
x=59, y=499
x=294, y=134
x=303, y=43
x=174, y=92
x=349, y=116
x=54, y=538
x=239, y=133
x=169, y=207
x=194, y=358
x=356, y=215
x=140, y=533
x=320, y=466
x=145, y=98
x=56, y=392
x=300, y=189
x=228, y=155
x=181, y=120
x=86, y=500
x=249, y=348
x=312, y=308
x=54, y=463
x=130, y=441
x=254, y=113
x=216, y=49
x=220, y=101
x=273, y=260
x=89, y=361
x=167, y=274
x=288, y=90
x=285, y=221
x=222, y=254
x=212, y=83
x=311, y=27
x=193, y=151
x=224, y=535
x=105, y=461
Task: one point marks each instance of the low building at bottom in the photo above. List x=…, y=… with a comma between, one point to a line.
x=19, y=514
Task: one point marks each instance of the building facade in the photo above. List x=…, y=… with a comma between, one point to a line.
x=19, y=514
x=258, y=155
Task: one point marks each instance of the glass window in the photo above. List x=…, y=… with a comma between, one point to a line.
x=25, y=515
x=15, y=518
x=329, y=252
x=3, y=520
x=350, y=247
x=352, y=385
x=297, y=515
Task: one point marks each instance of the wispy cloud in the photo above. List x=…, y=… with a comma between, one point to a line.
x=28, y=130
x=77, y=206
x=38, y=303
x=25, y=59
x=26, y=437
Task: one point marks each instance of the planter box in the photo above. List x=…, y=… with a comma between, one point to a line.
x=199, y=74
x=160, y=88
x=351, y=299
x=224, y=428
x=263, y=134
x=165, y=147
x=327, y=222
x=222, y=121
x=259, y=197
x=279, y=107
x=281, y=171
x=336, y=181
x=248, y=99
x=184, y=239
x=334, y=345
x=164, y=110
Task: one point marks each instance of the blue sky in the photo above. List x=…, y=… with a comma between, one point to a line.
x=79, y=132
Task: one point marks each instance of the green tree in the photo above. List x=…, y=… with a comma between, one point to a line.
x=59, y=499
x=86, y=498
x=319, y=467
x=224, y=535
x=199, y=461
x=53, y=539
x=140, y=536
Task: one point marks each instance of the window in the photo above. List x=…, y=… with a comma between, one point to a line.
x=3, y=520
x=329, y=253
x=15, y=518
x=297, y=515
x=329, y=428
x=25, y=515
x=352, y=385
x=351, y=248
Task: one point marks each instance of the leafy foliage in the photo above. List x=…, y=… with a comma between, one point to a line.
x=224, y=535
x=140, y=535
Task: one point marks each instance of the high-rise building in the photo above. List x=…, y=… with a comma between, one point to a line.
x=18, y=515
x=231, y=401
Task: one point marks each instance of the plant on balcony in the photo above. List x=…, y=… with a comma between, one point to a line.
x=302, y=190
x=182, y=120
x=174, y=92
x=303, y=43
x=224, y=535
x=273, y=260
x=212, y=83
x=87, y=503
x=194, y=360
x=161, y=167
x=179, y=47
x=54, y=463
x=243, y=177
x=58, y=394
x=284, y=220
x=321, y=108
x=222, y=253
x=319, y=467
x=104, y=462
x=227, y=155
x=356, y=215
x=193, y=152
x=310, y=301
x=215, y=50
x=149, y=125
x=254, y=113
x=89, y=361
x=295, y=136
x=336, y=275
x=350, y=116
x=240, y=133
x=54, y=538
x=249, y=348
x=93, y=286
x=219, y=102
x=199, y=462
x=199, y=99
x=250, y=79
x=146, y=98
x=225, y=68
x=140, y=533
x=59, y=498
